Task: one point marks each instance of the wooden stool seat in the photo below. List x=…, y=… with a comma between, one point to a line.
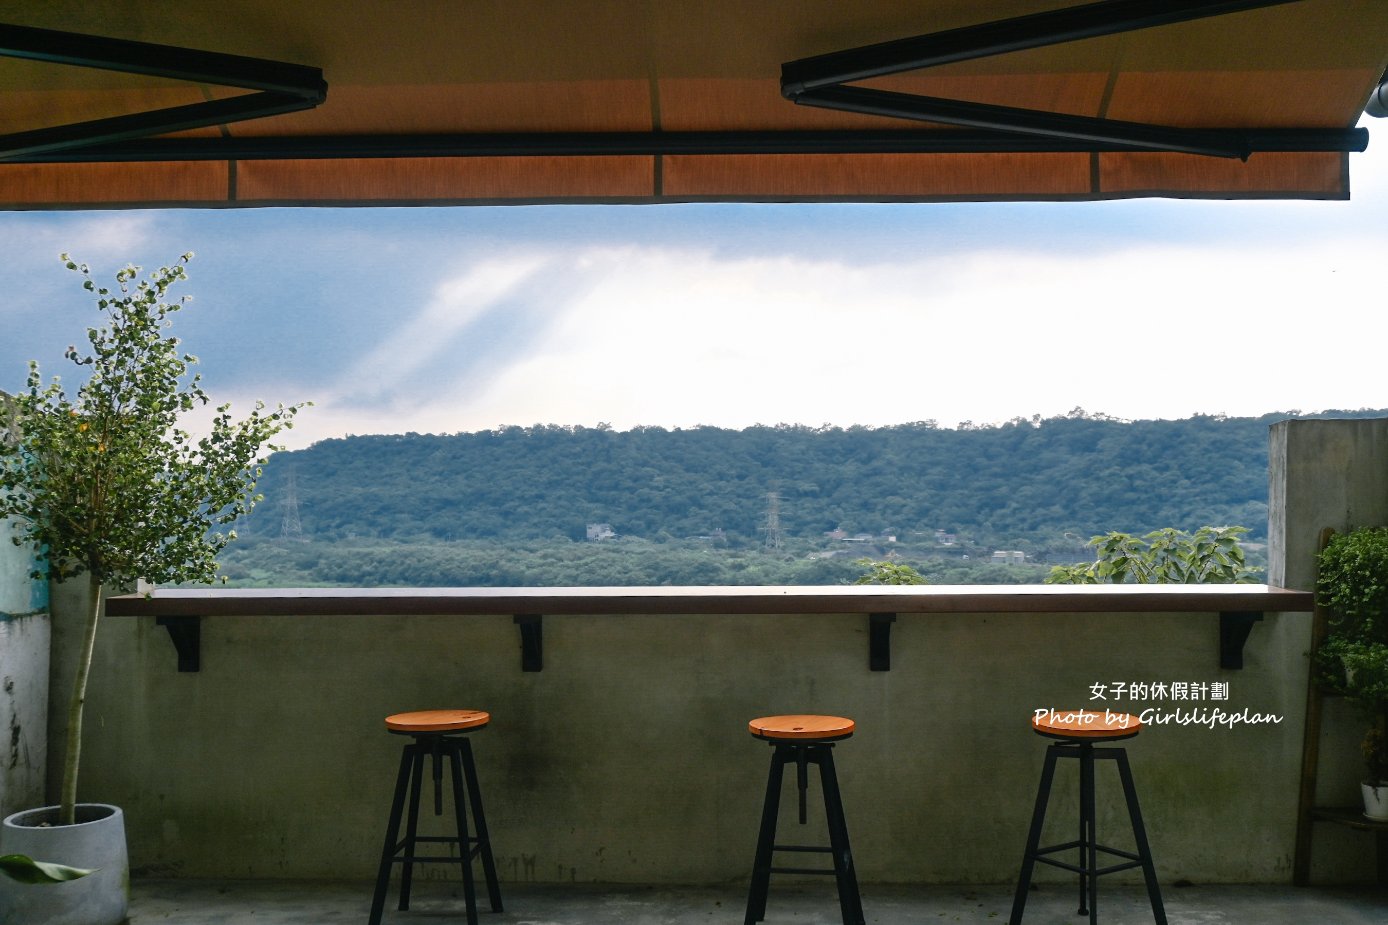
x=802, y=726
x=425, y=722
x=1089, y=725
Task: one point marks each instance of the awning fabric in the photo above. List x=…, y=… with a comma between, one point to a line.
x=485, y=101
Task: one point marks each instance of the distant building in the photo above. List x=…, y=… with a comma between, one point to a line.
x=944, y=539
x=598, y=532
x=1009, y=557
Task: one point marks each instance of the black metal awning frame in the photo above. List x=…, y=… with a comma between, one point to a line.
x=821, y=81
x=279, y=88
x=817, y=81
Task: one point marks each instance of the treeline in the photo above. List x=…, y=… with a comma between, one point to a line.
x=1041, y=486
x=561, y=563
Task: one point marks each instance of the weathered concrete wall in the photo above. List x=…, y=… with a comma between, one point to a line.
x=1326, y=474
x=627, y=759
x=24, y=640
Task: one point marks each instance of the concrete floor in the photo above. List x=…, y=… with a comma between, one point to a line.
x=293, y=903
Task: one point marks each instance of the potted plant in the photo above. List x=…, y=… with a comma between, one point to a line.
x=1352, y=585
x=110, y=489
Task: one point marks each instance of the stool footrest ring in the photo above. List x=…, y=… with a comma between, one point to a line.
x=1077, y=844
x=1076, y=869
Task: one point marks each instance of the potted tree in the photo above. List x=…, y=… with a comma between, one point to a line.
x=110, y=489
x=1352, y=585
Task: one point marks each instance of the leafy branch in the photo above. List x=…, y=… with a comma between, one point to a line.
x=1211, y=555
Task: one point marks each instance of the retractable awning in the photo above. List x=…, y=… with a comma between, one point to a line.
x=148, y=103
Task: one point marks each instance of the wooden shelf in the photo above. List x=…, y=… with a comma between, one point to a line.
x=1309, y=814
x=1238, y=607
x=846, y=599
x=1350, y=816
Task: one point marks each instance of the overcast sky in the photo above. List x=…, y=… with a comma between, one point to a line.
x=461, y=319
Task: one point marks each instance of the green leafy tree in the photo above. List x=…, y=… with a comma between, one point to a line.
x=888, y=573
x=1352, y=581
x=1211, y=555
x=105, y=483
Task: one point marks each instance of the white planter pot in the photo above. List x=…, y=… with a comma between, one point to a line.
x=1375, y=800
x=97, y=840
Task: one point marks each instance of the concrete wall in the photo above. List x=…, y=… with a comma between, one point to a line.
x=627, y=758
x=24, y=640
x=1327, y=474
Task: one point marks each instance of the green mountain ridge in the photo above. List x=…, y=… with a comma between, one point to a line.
x=1021, y=485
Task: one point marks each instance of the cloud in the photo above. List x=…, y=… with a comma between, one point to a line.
x=680, y=337
x=435, y=337
x=95, y=238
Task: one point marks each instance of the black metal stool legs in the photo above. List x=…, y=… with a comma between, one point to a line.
x=465, y=851
x=1088, y=867
x=397, y=806
x=412, y=823
x=766, y=838
x=410, y=780
x=1149, y=870
x=479, y=822
x=820, y=754
x=850, y=903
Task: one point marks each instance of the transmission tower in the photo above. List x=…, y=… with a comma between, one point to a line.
x=291, y=531
x=772, y=527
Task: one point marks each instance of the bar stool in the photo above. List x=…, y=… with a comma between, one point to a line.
x=436, y=734
x=1075, y=733
x=804, y=740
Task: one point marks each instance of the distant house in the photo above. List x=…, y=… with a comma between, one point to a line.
x=864, y=538
x=944, y=539
x=1009, y=557
x=598, y=532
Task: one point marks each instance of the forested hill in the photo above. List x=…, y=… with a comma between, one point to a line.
x=1023, y=485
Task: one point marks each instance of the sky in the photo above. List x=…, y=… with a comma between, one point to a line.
x=441, y=320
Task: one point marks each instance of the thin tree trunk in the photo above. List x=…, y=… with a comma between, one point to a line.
x=67, y=812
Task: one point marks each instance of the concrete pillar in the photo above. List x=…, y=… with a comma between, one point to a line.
x=24, y=642
x=1321, y=473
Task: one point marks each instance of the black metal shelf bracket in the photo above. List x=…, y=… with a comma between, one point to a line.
x=532, y=641
x=186, y=633
x=880, y=641
x=1234, y=628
